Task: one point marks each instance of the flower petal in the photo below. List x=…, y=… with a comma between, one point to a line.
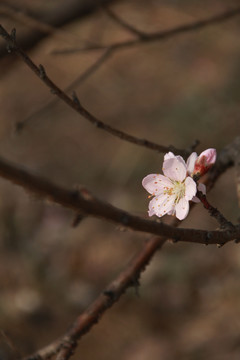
x=205, y=161
x=202, y=188
x=175, y=168
x=169, y=155
x=182, y=209
x=161, y=205
x=154, y=183
x=191, y=162
x=210, y=156
x=190, y=188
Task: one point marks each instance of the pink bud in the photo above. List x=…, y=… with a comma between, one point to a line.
x=205, y=161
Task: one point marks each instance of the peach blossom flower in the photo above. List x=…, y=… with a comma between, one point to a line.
x=172, y=191
x=204, y=161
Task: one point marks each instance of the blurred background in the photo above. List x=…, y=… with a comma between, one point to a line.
x=170, y=92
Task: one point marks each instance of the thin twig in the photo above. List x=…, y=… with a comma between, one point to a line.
x=124, y=24
x=12, y=46
x=214, y=212
x=160, y=35
x=39, y=25
x=20, y=125
x=127, y=278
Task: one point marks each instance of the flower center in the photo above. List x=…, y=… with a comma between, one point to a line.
x=178, y=190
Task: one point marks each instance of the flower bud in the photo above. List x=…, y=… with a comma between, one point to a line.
x=204, y=162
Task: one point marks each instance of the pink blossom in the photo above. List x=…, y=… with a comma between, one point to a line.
x=204, y=161
x=172, y=191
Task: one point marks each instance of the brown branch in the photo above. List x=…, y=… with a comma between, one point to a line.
x=214, y=212
x=20, y=125
x=161, y=35
x=12, y=46
x=85, y=203
x=39, y=25
x=123, y=24
x=227, y=158
x=66, y=345
x=61, y=13
x=128, y=277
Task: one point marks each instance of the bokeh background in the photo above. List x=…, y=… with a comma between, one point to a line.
x=170, y=92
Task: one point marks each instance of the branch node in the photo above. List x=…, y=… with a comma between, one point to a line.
x=208, y=237
x=124, y=219
x=98, y=124
x=136, y=284
x=53, y=91
x=76, y=99
x=18, y=126
x=42, y=72
x=77, y=220
x=110, y=294
x=221, y=245
x=13, y=35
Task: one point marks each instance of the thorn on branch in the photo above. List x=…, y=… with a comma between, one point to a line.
x=136, y=285
x=42, y=72
x=76, y=99
x=13, y=35
x=221, y=245
x=11, y=40
x=53, y=91
x=77, y=220
x=98, y=124
x=110, y=294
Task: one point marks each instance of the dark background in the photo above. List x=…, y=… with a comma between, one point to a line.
x=170, y=92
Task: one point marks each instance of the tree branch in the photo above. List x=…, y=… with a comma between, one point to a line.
x=85, y=203
x=66, y=345
x=128, y=277
x=122, y=23
x=20, y=125
x=160, y=35
x=12, y=46
x=45, y=18
x=214, y=212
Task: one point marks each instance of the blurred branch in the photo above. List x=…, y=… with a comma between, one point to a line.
x=66, y=345
x=54, y=16
x=84, y=202
x=161, y=35
x=228, y=157
x=39, y=25
x=214, y=212
x=130, y=276
x=122, y=23
x=74, y=102
x=20, y=125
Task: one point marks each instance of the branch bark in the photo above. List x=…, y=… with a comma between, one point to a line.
x=160, y=35
x=85, y=203
x=75, y=104
x=55, y=16
x=130, y=276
